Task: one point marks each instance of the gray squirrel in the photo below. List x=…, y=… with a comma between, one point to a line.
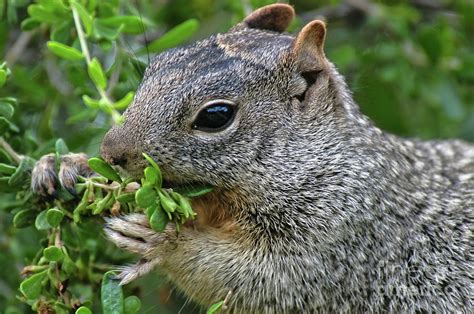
x=314, y=209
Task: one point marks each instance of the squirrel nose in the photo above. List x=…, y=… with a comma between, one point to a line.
x=114, y=149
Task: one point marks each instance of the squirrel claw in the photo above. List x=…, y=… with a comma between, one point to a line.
x=133, y=233
x=45, y=181
x=132, y=272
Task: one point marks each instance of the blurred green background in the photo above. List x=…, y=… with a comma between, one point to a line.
x=410, y=65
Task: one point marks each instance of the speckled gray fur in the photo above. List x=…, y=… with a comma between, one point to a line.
x=332, y=214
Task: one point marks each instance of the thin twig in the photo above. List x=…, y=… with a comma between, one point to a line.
x=57, y=238
x=80, y=34
x=82, y=40
x=105, y=186
x=85, y=49
x=16, y=157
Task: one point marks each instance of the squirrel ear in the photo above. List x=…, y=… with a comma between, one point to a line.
x=308, y=47
x=274, y=17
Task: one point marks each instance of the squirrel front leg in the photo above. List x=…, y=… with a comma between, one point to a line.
x=208, y=263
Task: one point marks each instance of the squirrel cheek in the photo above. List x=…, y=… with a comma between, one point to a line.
x=212, y=213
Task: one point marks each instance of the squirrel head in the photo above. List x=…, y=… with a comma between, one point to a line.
x=222, y=110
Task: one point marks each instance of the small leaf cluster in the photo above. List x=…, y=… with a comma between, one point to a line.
x=104, y=193
x=70, y=261
x=160, y=205
x=98, y=23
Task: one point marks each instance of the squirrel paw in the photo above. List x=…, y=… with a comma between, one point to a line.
x=131, y=272
x=133, y=233
x=45, y=181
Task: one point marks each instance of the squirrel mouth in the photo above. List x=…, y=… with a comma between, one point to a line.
x=207, y=201
x=188, y=189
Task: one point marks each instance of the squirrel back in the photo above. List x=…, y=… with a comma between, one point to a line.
x=314, y=208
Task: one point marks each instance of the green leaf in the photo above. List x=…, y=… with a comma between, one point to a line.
x=54, y=217
x=68, y=265
x=24, y=218
x=132, y=304
x=104, y=169
x=215, y=307
x=124, y=102
x=61, y=308
x=7, y=169
x=50, y=12
x=4, y=125
x=111, y=294
x=83, y=310
x=41, y=222
x=86, y=18
x=132, y=24
x=97, y=74
x=153, y=176
x=81, y=207
x=103, y=204
x=126, y=197
x=7, y=126
x=102, y=31
x=87, y=114
x=174, y=36
x=184, y=205
x=53, y=254
x=150, y=210
x=3, y=77
x=5, y=187
x=193, y=191
x=4, y=157
x=145, y=196
x=167, y=203
x=32, y=286
x=61, y=147
x=90, y=102
x=22, y=174
x=6, y=110
x=158, y=220
x=29, y=24
x=61, y=32
x=10, y=100
x=64, y=51
x=151, y=161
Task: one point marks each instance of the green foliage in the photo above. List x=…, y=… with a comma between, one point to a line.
x=174, y=37
x=411, y=69
x=73, y=66
x=105, y=192
x=215, y=307
x=111, y=294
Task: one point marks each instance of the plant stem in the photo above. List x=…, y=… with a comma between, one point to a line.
x=16, y=157
x=82, y=40
x=80, y=34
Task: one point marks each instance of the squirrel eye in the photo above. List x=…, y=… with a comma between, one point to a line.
x=215, y=116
